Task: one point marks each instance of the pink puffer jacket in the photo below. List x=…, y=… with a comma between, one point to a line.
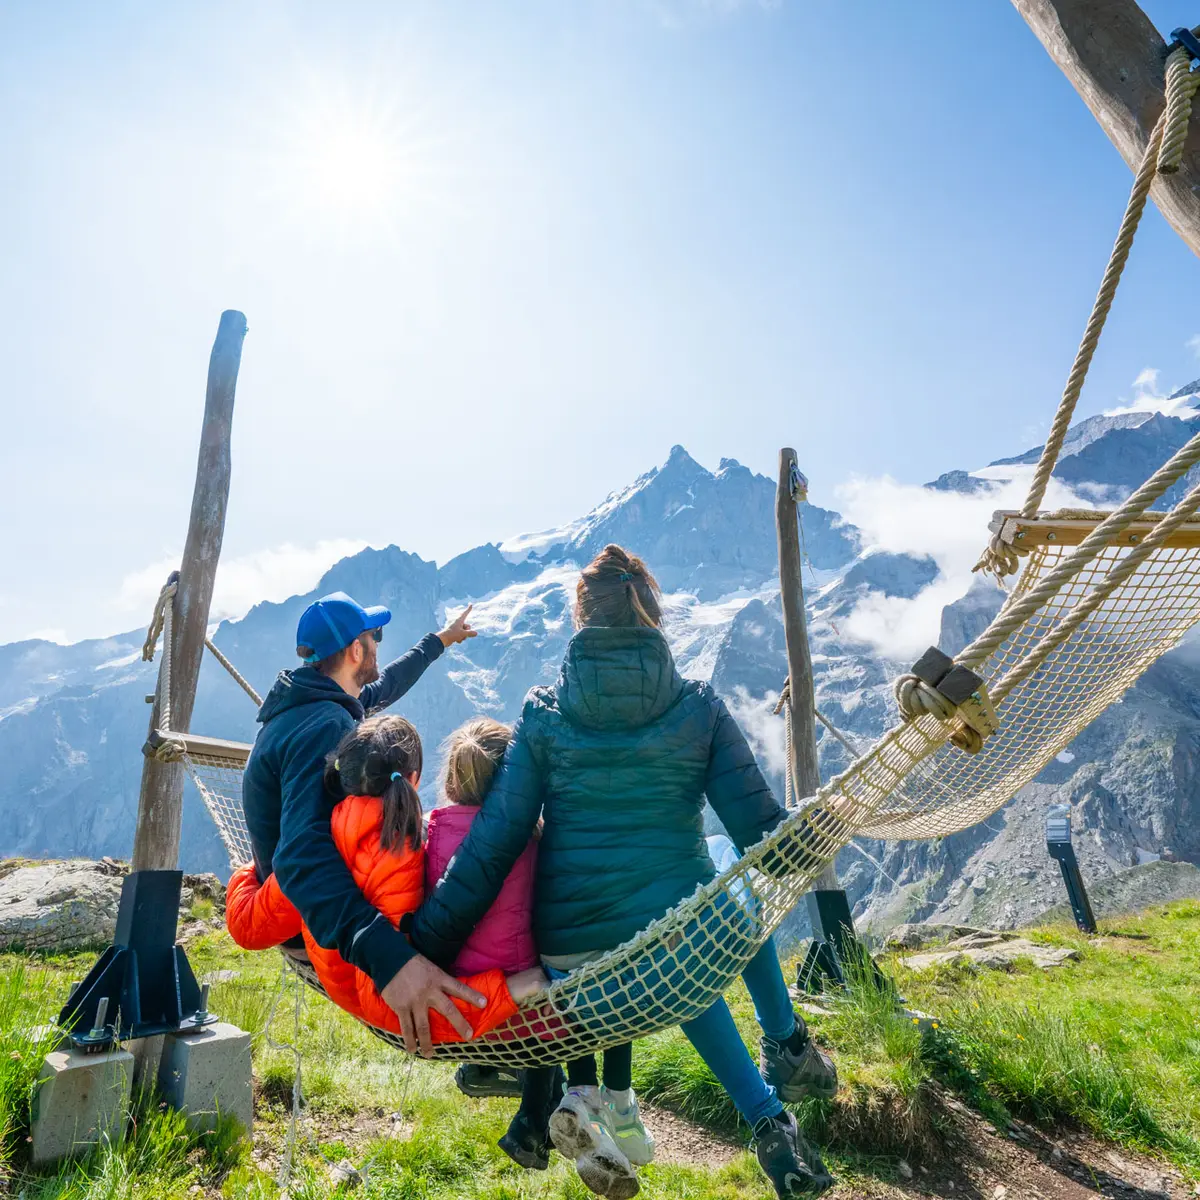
x=504, y=938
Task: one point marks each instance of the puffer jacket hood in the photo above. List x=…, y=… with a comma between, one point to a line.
x=617, y=678
x=305, y=685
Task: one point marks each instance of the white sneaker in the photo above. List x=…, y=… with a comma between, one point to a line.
x=581, y=1129
x=635, y=1141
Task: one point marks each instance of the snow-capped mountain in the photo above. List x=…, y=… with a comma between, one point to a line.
x=72, y=719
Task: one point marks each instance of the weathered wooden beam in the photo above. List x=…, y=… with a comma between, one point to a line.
x=802, y=712
x=1114, y=57
x=160, y=804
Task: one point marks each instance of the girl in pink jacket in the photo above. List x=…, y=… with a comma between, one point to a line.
x=505, y=935
x=504, y=938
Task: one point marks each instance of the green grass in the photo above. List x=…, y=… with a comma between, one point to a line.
x=1110, y=1042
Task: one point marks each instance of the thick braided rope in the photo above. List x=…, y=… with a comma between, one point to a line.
x=1182, y=83
x=238, y=678
x=169, y=748
x=159, y=623
x=157, y=619
x=1002, y=559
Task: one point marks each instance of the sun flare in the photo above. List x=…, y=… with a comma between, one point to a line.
x=344, y=169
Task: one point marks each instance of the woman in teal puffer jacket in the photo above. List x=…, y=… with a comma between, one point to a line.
x=617, y=758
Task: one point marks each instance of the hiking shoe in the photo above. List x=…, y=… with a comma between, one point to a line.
x=581, y=1130
x=794, y=1168
x=628, y=1131
x=797, y=1068
x=525, y=1144
x=479, y=1081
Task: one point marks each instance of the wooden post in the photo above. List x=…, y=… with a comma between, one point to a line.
x=160, y=804
x=803, y=708
x=1114, y=56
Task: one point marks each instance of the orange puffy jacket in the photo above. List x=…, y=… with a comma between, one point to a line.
x=261, y=916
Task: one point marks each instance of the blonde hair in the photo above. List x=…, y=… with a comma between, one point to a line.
x=616, y=589
x=474, y=753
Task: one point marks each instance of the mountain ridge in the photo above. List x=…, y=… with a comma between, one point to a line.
x=72, y=718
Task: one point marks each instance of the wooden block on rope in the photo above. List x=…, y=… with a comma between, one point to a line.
x=932, y=667
x=958, y=683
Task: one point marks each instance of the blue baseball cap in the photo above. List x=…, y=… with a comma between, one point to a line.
x=333, y=622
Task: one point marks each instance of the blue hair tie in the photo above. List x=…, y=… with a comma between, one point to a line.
x=397, y=775
x=626, y=577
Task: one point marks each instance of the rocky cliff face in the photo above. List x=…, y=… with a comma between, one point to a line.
x=72, y=718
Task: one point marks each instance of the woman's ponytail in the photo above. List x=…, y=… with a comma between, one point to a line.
x=617, y=590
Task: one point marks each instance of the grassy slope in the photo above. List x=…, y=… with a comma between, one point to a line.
x=1111, y=1042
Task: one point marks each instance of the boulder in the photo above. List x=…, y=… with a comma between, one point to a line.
x=995, y=951
x=58, y=906
x=919, y=934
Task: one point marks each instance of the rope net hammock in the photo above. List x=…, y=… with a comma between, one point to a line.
x=1100, y=597
x=914, y=783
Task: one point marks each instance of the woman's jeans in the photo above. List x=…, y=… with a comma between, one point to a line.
x=716, y=1039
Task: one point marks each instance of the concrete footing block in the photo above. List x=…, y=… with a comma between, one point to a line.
x=206, y=1073
x=81, y=1100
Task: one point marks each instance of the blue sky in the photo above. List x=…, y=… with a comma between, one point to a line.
x=497, y=259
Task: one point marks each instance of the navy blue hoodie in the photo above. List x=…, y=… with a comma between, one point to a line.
x=287, y=808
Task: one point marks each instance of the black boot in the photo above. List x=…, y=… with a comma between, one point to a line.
x=479, y=1082
x=793, y=1166
x=527, y=1140
x=527, y=1144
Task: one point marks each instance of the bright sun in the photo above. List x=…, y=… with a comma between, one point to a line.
x=351, y=172
x=343, y=168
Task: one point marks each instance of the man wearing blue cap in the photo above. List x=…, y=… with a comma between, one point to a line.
x=305, y=715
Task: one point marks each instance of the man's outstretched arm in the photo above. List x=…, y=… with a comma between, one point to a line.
x=402, y=673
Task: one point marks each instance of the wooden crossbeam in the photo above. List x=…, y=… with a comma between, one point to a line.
x=1070, y=531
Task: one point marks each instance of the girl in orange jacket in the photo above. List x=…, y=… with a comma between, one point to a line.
x=378, y=829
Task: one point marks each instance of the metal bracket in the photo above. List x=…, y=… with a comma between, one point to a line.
x=1185, y=38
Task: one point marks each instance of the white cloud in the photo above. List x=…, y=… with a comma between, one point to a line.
x=244, y=580
x=1147, y=397
x=948, y=527
x=1193, y=344
x=763, y=729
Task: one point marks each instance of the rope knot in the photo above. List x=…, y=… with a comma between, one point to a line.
x=1181, y=85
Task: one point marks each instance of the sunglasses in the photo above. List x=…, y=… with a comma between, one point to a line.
x=377, y=634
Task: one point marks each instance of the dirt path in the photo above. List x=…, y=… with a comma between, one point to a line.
x=1023, y=1163
x=680, y=1142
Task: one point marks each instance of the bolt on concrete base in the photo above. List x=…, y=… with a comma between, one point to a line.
x=81, y=1100
x=206, y=1073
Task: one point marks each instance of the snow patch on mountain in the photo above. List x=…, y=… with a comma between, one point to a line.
x=523, y=546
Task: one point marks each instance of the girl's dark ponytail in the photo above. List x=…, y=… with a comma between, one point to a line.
x=375, y=759
x=401, y=814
